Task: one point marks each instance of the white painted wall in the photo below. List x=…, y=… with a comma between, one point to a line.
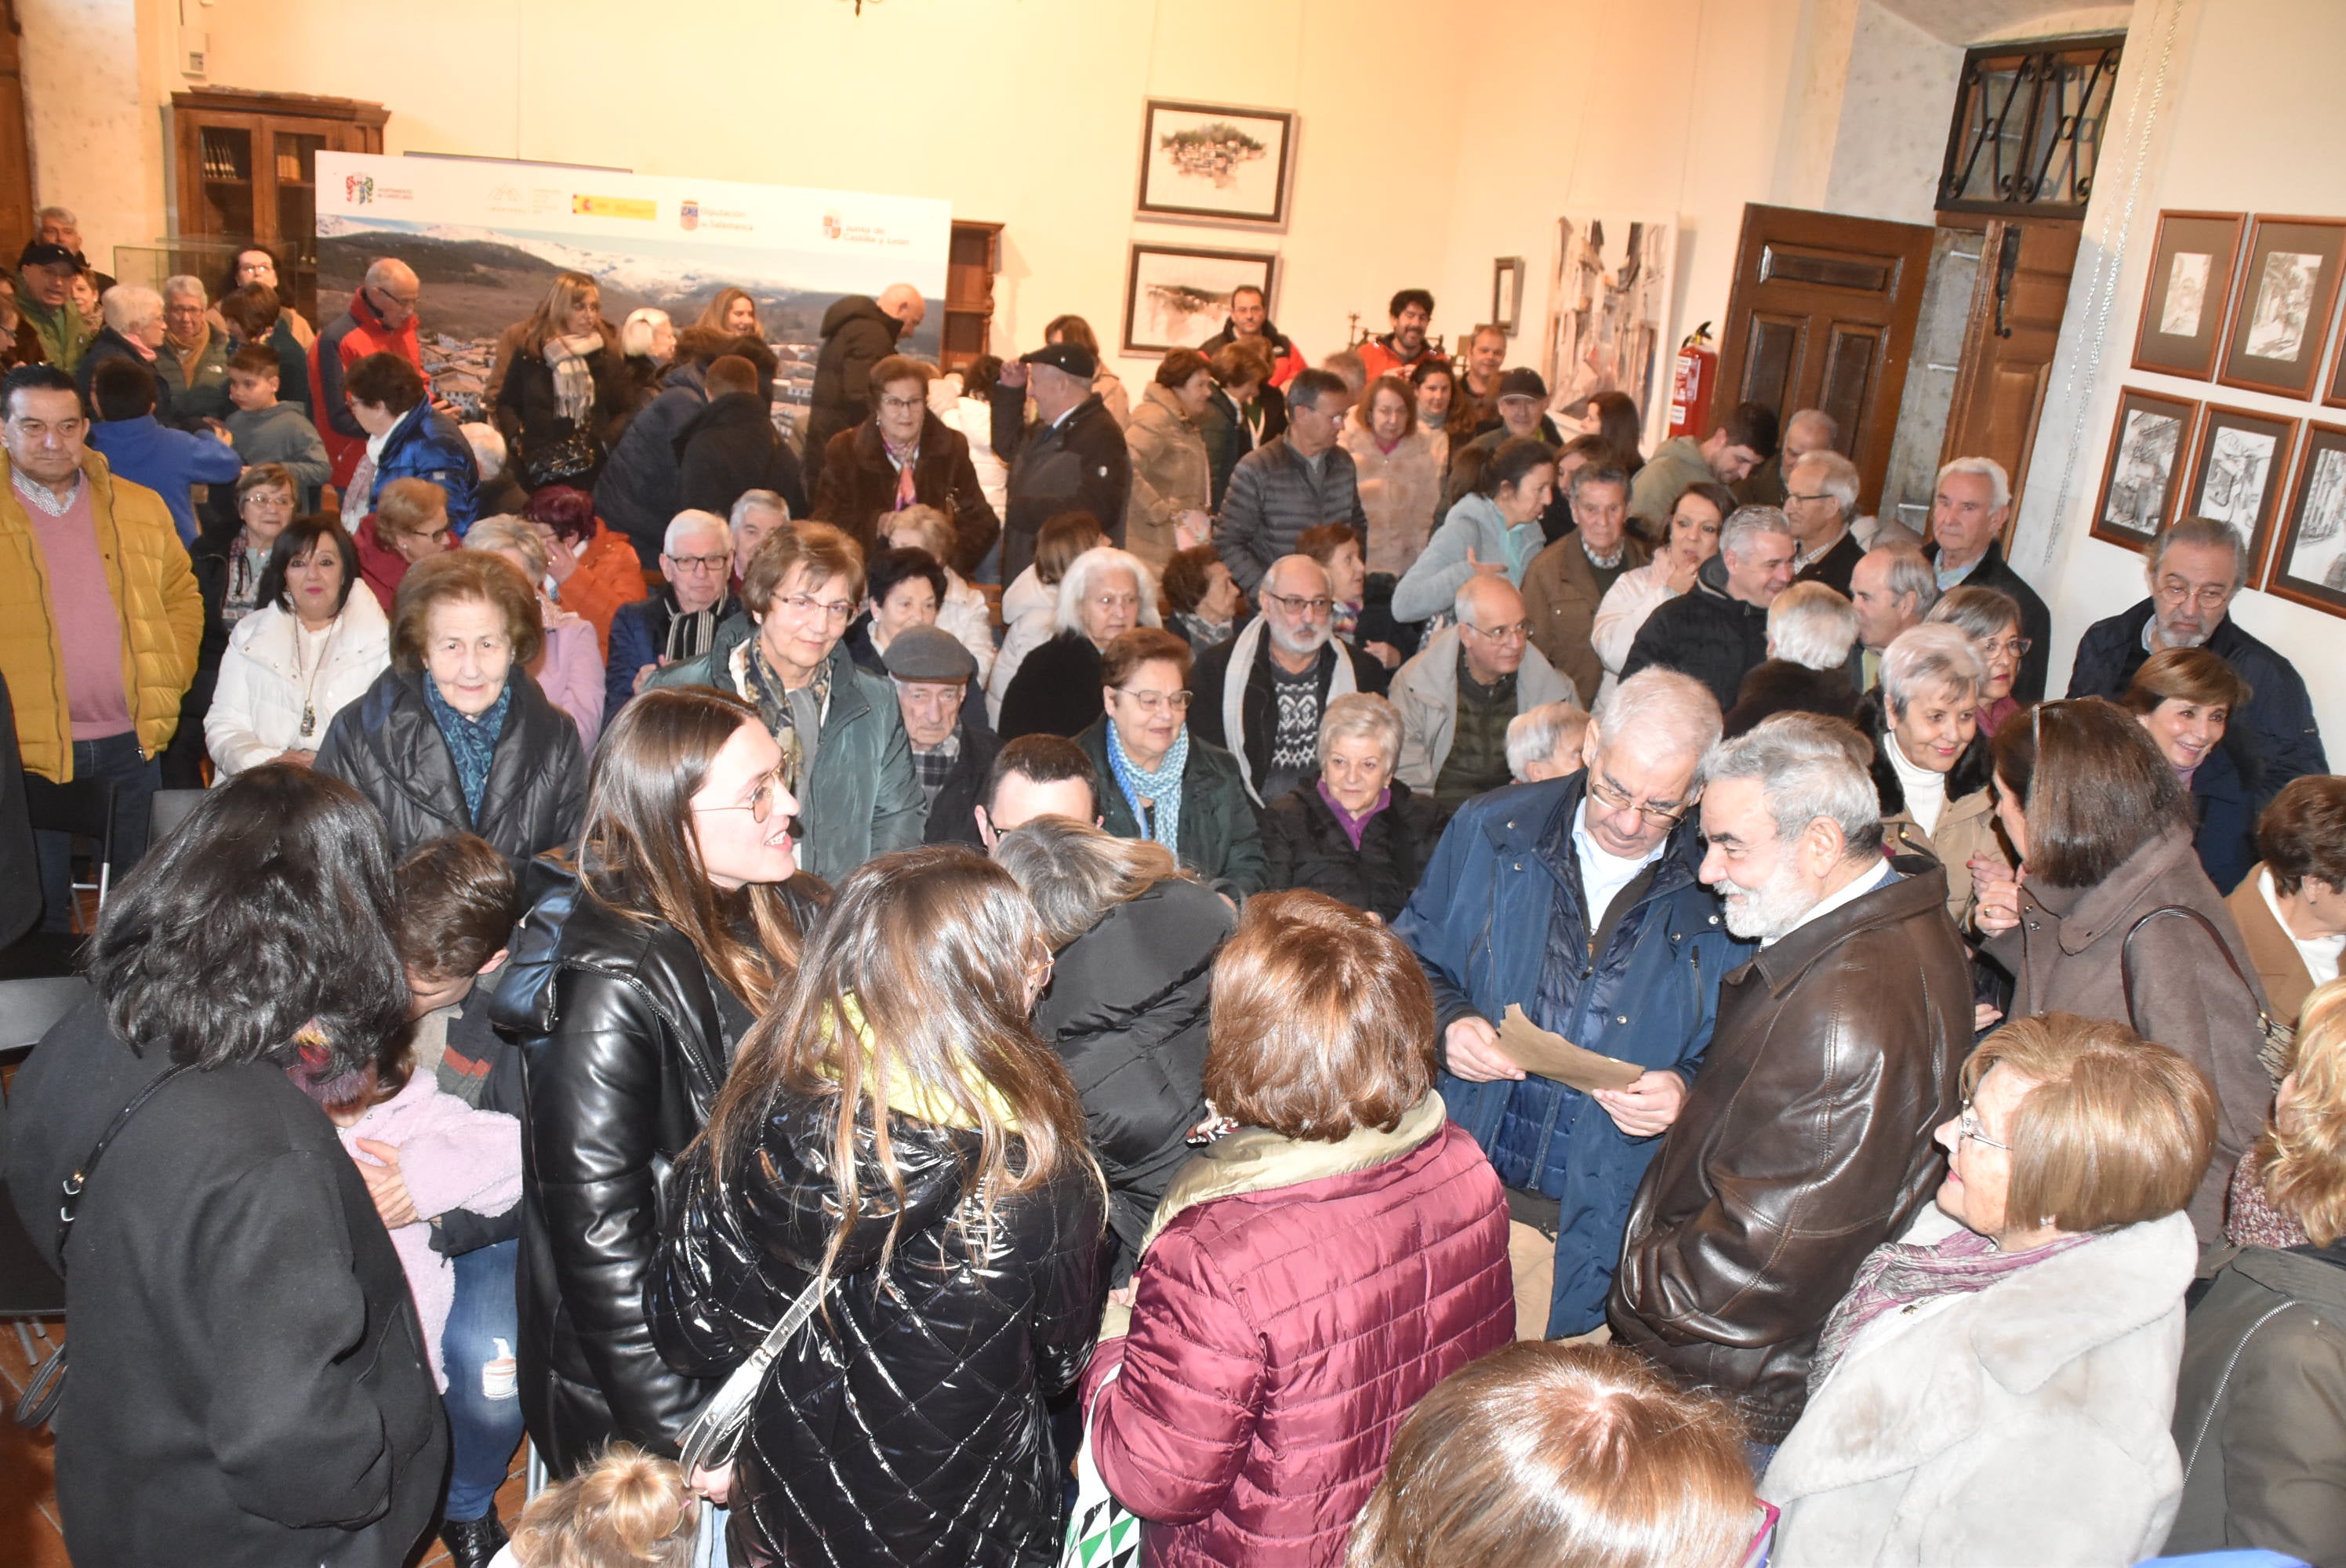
x=96, y=137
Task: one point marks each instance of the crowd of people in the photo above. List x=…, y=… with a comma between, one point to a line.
x=1323, y=964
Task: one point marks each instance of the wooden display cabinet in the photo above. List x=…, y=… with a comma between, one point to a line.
x=972, y=263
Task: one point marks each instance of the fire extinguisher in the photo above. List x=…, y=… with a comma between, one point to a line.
x=1693, y=379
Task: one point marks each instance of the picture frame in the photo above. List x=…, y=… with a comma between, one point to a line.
x=2187, y=300
x=2309, y=562
x=2239, y=467
x=2283, y=303
x=2142, y=478
x=1214, y=161
x=1177, y=296
x=1507, y=293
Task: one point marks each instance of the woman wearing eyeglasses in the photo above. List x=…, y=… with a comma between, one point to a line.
x=1996, y=1386
x=1104, y=593
x=630, y=987
x=846, y=754
x=1991, y=618
x=903, y=455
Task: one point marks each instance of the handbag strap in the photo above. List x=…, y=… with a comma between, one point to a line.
x=2223, y=950
x=77, y=1182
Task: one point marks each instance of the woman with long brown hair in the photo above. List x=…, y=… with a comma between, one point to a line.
x=565, y=387
x=731, y=314
x=632, y=983
x=896, y=1136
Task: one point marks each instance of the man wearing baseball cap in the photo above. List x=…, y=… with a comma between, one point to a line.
x=1071, y=457
x=45, y=275
x=1520, y=396
x=953, y=749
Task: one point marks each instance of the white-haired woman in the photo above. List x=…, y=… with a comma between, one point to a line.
x=570, y=671
x=1356, y=833
x=1105, y=593
x=1811, y=629
x=1930, y=761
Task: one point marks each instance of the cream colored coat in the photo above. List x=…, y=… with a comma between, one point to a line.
x=1398, y=492
x=1170, y=474
x=264, y=682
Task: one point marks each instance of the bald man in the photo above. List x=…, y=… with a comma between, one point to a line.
x=381, y=319
x=858, y=333
x=1458, y=694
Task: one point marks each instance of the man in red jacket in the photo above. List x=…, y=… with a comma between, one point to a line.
x=381, y=319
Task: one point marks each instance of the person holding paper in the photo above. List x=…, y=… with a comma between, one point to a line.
x=1575, y=902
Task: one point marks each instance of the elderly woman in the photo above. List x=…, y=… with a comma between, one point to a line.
x=1133, y=944
x=407, y=438
x=309, y=649
x=1811, y=629
x=570, y=669
x=564, y=387
x=229, y=564
x=963, y=609
x=846, y=754
x=1357, y=833
x=2291, y=905
x=1696, y=518
x=1991, y=618
x=590, y=568
x=646, y=341
x=1172, y=481
x=1996, y=1386
x=1400, y=473
x=455, y=736
x=1201, y=597
x=1105, y=593
x=2258, y=1399
x=1030, y=605
x=1158, y=782
x=1319, y=1270
x=1930, y=763
x=193, y=359
x=2111, y=916
x=2184, y=699
x=902, y=589
x=904, y=456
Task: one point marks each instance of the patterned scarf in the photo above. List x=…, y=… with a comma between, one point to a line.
x=755, y=678
x=245, y=568
x=1155, y=796
x=1906, y=1275
x=904, y=458
x=934, y=766
x=472, y=742
x=574, y=379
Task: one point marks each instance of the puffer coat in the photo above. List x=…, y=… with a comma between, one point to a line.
x=1308, y=849
x=906, y=1425
x=1170, y=474
x=1704, y=632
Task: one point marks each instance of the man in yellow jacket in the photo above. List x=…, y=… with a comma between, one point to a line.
x=100, y=617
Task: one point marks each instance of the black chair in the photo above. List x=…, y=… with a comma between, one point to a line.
x=168, y=811
x=30, y=1290
x=30, y=1007
x=83, y=808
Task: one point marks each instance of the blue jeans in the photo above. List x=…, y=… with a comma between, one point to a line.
x=136, y=779
x=483, y=1430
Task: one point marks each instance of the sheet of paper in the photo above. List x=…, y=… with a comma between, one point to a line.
x=1551, y=1056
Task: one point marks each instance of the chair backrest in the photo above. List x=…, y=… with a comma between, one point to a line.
x=28, y=1008
x=83, y=807
x=168, y=811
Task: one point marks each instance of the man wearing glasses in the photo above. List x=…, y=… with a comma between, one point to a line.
x=381, y=319
x=1969, y=507
x=679, y=622
x=1459, y=692
x=1577, y=900
x=2195, y=568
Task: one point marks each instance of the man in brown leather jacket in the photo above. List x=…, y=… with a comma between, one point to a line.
x=1805, y=1142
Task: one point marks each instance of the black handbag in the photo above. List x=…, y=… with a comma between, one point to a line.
x=564, y=462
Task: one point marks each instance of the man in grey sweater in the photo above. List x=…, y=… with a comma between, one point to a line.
x=1295, y=481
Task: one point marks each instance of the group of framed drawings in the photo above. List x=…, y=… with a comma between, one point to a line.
x=1203, y=163
x=2251, y=302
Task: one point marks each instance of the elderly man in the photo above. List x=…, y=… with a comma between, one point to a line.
x=1261, y=695
x=1519, y=406
x=1891, y=589
x=134, y=331
x=1819, y=504
x=758, y=514
x=1071, y=458
x=1457, y=694
x=103, y=615
x=1806, y=1140
x=57, y=225
x=1809, y=430
x=381, y=321
x=2194, y=570
x=952, y=748
x=1727, y=456
x=193, y=359
x=1568, y=580
x=1575, y=899
x=1969, y=507
x=1545, y=743
x=858, y=333
x=1402, y=349
x=1249, y=321
x=679, y=621
x=1298, y=479
x=49, y=327
x=1036, y=775
x=1718, y=631
x=1811, y=631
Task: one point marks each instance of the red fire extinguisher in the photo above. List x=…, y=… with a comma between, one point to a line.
x=1692, y=381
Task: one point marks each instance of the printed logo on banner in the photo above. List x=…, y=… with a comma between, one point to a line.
x=358, y=189
x=688, y=212
x=585, y=205
x=831, y=226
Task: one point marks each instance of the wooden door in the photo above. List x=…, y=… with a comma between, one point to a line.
x=2015, y=325
x=1822, y=316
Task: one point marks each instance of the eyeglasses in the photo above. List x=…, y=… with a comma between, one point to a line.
x=1821, y=495
x=760, y=806
x=901, y=404
x=1967, y=1125
x=2208, y=596
x=1297, y=606
x=700, y=563
x=1603, y=792
x=1520, y=632
x=840, y=610
x=2016, y=648
x=1157, y=701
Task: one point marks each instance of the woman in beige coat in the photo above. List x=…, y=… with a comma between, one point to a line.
x=1171, y=481
x=1400, y=472
x=1931, y=762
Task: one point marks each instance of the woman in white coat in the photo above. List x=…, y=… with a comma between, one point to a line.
x=309, y=647
x=1996, y=1388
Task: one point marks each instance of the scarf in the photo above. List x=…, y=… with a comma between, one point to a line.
x=1354, y=827
x=1901, y=1275
x=689, y=632
x=1243, y=653
x=1155, y=796
x=472, y=742
x=755, y=678
x=904, y=457
x=245, y=568
x=574, y=379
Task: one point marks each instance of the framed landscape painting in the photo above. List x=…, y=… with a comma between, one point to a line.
x=2139, y=484
x=1204, y=160
x=2236, y=477
x=2280, y=320
x=1176, y=297
x=2184, y=304
x=2310, y=566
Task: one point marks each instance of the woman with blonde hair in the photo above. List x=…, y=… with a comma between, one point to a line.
x=629, y=1509
x=564, y=387
x=1544, y=1453
x=894, y=1140
x=731, y=314
x=570, y=668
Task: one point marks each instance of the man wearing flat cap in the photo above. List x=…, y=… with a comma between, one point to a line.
x=47, y=317
x=1071, y=457
x=953, y=749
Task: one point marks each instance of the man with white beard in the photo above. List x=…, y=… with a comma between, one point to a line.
x=1805, y=1141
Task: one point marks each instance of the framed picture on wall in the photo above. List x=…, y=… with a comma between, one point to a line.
x=1176, y=297
x=2145, y=472
x=2240, y=459
x=1206, y=160
x=2281, y=316
x=1507, y=293
x=2310, y=566
x=2184, y=304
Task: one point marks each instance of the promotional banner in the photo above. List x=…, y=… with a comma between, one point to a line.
x=486, y=239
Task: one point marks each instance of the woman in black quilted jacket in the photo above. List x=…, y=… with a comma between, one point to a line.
x=895, y=1133
x=1356, y=832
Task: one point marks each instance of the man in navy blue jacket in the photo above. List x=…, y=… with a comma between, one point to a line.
x=168, y=462
x=1576, y=898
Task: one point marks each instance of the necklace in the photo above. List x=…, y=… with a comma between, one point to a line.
x=310, y=682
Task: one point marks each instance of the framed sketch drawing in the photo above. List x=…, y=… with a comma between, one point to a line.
x=2242, y=457
x=1204, y=160
x=1507, y=293
x=2143, y=474
x=1177, y=297
x=2310, y=566
x=1607, y=310
x=2184, y=304
x=2280, y=320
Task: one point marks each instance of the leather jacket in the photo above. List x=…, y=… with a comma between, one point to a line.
x=905, y=1423
x=1804, y=1144
x=626, y=1037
